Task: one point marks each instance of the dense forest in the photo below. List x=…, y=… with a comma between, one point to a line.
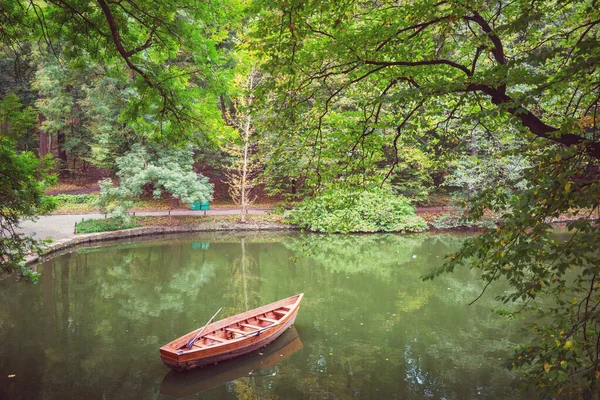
x=350, y=112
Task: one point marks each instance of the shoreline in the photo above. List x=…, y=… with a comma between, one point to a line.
x=61, y=245
x=156, y=230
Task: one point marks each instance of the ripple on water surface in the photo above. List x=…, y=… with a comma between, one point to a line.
x=368, y=327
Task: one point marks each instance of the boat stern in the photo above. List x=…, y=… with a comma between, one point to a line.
x=170, y=357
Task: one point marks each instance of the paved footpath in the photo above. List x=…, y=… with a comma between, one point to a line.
x=62, y=226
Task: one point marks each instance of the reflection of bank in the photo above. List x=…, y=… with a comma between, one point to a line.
x=181, y=384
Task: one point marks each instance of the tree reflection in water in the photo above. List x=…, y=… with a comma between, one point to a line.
x=370, y=327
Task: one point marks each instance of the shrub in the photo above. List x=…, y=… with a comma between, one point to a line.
x=355, y=210
x=63, y=199
x=166, y=170
x=106, y=224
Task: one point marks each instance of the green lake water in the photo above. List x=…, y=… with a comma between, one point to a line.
x=368, y=327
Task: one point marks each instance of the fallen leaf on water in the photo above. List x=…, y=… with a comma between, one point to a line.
x=11, y=375
x=260, y=354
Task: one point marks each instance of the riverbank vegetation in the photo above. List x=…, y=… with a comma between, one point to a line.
x=94, y=225
x=349, y=113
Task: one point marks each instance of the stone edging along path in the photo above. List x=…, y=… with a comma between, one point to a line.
x=81, y=239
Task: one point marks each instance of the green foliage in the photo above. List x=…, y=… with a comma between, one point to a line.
x=354, y=210
x=64, y=199
x=485, y=162
x=174, y=83
x=553, y=277
x=106, y=224
x=23, y=178
x=17, y=72
x=354, y=77
x=15, y=119
x=28, y=274
x=163, y=169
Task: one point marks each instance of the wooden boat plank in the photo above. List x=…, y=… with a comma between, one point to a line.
x=280, y=312
x=215, y=338
x=271, y=320
x=178, y=357
x=236, y=331
x=180, y=342
x=251, y=326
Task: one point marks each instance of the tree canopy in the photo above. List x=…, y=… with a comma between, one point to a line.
x=355, y=82
x=102, y=76
x=172, y=50
x=498, y=100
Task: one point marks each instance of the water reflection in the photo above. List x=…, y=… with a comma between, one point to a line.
x=370, y=327
x=181, y=384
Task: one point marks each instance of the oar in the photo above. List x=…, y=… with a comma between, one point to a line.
x=191, y=342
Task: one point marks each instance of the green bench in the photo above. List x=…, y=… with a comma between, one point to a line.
x=200, y=206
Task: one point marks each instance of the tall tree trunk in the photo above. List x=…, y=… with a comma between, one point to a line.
x=76, y=122
x=44, y=145
x=223, y=108
x=62, y=153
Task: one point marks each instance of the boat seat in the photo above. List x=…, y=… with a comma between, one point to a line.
x=288, y=307
x=251, y=326
x=271, y=320
x=215, y=338
x=280, y=312
x=236, y=331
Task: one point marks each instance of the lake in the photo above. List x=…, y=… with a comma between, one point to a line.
x=368, y=327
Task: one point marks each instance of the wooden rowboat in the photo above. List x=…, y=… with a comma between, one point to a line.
x=233, y=336
x=178, y=384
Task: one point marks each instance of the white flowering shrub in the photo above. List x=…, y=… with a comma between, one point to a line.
x=168, y=170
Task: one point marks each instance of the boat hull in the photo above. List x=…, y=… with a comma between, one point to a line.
x=178, y=360
x=178, y=384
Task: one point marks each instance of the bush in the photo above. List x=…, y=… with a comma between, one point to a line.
x=165, y=169
x=354, y=210
x=106, y=224
x=63, y=199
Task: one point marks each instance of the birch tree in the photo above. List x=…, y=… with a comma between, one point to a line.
x=242, y=173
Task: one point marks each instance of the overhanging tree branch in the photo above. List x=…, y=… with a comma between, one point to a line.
x=535, y=124
x=116, y=37
x=420, y=63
